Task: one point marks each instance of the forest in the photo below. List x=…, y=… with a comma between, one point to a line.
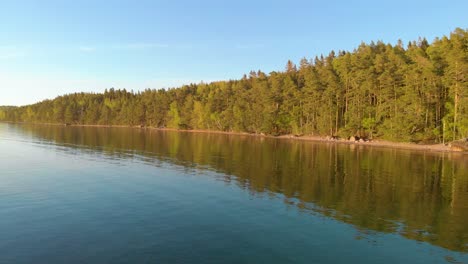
x=416, y=92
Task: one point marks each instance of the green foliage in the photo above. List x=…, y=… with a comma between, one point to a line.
x=407, y=94
x=368, y=124
x=174, y=117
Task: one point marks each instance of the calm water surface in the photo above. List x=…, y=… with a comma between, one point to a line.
x=117, y=195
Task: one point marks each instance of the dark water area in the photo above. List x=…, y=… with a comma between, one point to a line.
x=122, y=195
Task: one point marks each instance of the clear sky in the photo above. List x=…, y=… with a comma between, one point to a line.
x=50, y=48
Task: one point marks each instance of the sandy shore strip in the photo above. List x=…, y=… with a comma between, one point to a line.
x=375, y=142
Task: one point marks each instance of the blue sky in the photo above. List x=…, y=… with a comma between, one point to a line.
x=50, y=48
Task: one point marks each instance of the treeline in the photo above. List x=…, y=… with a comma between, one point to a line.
x=413, y=93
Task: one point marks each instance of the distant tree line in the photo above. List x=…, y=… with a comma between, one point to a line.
x=413, y=93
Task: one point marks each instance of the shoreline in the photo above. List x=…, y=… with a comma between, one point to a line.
x=375, y=143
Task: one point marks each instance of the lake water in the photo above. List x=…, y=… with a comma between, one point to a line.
x=121, y=195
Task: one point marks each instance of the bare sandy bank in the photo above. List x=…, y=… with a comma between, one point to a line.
x=375, y=142
x=385, y=143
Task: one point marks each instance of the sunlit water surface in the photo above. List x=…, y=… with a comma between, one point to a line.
x=117, y=195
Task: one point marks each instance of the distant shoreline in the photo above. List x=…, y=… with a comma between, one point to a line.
x=377, y=142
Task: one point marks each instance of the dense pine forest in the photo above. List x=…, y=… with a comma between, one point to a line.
x=417, y=92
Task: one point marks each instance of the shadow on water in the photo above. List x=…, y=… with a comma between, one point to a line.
x=421, y=196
